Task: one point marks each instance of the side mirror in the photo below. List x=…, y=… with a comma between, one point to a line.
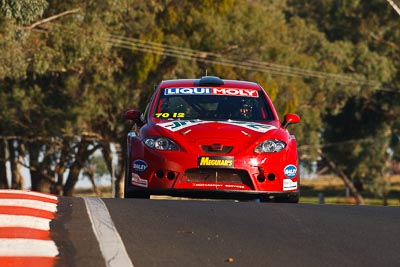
x=290, y=118
x=134, y=115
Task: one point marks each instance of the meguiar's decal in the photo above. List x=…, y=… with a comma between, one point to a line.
x=210, y=91
x=179, y=125
x=215, y=162
x=166, y=115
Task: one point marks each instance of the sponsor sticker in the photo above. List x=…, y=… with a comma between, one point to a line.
x=219, y=186
x=258, y=127
x=288, y=184
x=136, y=180
x=178, y=125
x=211, y=91
x=215, y=162
x=290, y=171
x=181, y=124
x=139, y=166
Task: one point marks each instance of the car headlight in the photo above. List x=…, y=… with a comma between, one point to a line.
x=270, y=146
x=160, y=143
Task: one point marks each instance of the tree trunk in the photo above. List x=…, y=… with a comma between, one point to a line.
x=107, y=155
x=120, y=171
x=3, y=168
x=76, y=167
x=34, y=148
x=60, y=169
x=17, y=181
x=89, y=171
x=346, y=180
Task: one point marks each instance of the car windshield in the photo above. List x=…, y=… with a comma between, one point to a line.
x=242, y=107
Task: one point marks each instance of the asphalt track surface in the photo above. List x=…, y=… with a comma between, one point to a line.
x=228, y=233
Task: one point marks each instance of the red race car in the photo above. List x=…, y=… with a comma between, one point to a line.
x=211, y=138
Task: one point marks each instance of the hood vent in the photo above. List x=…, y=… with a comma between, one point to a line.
x=216, y=149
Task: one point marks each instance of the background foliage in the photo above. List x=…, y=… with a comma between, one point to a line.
x=66, y=79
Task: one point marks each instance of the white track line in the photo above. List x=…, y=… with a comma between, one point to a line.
x=29, y=203
x=27, y=247
x=111, y=245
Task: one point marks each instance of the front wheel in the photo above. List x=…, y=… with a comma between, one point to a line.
x=129, y=192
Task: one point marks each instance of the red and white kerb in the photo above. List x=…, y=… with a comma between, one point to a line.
x=25, y=228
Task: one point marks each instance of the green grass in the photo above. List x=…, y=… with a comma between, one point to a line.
x=334, y=192
x=348, y=201
x=105, y=192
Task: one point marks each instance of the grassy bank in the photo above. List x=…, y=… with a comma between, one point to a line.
x=104, y=191
x=333, y=191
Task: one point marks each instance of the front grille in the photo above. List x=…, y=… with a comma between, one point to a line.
x=211, y=175
x=216, y=149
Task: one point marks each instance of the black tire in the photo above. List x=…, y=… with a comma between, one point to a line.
x=288, y=199
x=134, y=193
x=282, y=199
x=137, y=194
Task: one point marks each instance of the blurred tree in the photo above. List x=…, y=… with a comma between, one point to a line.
x=358, y=129
x=70, y=71
x=23, y=11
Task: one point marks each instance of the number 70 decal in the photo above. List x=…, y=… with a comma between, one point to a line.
x=166, y=115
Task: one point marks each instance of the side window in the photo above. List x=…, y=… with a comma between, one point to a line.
x=147, y=110
x=266, y=112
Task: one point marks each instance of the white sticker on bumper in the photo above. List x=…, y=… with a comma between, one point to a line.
x=136, y=180
x=288, y=184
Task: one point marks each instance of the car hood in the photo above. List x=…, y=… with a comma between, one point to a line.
x=199, y=130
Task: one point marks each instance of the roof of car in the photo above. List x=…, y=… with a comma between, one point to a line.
x=209, y=82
